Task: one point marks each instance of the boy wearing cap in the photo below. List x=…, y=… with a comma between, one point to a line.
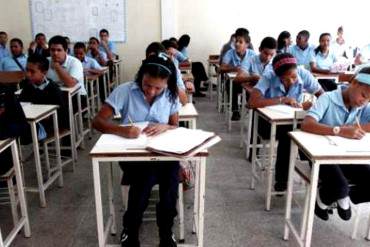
x=344, y=112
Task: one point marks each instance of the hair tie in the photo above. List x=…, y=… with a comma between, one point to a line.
x=162, y=66
x=284, y=61
x=363, y=78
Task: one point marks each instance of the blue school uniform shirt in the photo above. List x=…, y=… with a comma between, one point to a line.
x=128, y=100
x=304, y=57
x=180, y=82
x=8, y=63
x=180, y=57
x=90, y=63
x=111, y=47
x=184, y=52
x=232, y=58
x=254, y=66
x=102, y=54
x=4, y=52
x=324, y=62
x=330, y=109
x=271, y=86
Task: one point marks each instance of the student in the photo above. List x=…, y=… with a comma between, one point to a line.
x=69, y=49
x=39, y=46
x=17, y=60
x=339, y=46
x=323, y=60
x=64, y=69
x=170, y=49
x=106, y=45
x=89, y=64
x=302, y=51
x=254, y=68
x=228, y=46
x=284, y=84
x=4, y=52
x=233, y=61
x=96, y=53
x=38, y=89
x=335, y=113
x=151, y=97
x=284, y=41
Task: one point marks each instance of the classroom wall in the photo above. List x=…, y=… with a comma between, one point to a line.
x=143, y=26
x=211, y=22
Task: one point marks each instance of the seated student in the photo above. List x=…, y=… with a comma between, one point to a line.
x=284, y=84
x=170, y=49
x=96, y=53
x=228, y=46
x=17, y=60
x=4, y=52
x=302, y=51
x=344, y=112
x=90, y=65
x=39, y=46
x=69, y=49
x=284, y=41
x=233, y=61
x=64, y=69
x=151, y=97
x=323, y=60
x=339, y=45
x=252, y=70
x=38, y=89
x=106, y=45
x=197, y=68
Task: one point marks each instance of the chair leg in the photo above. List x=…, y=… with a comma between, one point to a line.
x=13, y=200
x=180, y=205
x=124, y=192
x=368, y=230
x=47, y=161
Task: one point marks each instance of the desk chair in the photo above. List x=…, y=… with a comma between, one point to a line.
x=212, y=74
x=8, y=195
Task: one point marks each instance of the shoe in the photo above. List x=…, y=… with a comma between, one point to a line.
x=126, y=241
x=280, y=186
x=199, y=94
x=344, y=214
x=321, y=213
x=235, y=116
x=169, y=241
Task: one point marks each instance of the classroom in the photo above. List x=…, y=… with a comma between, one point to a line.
x=184, y=123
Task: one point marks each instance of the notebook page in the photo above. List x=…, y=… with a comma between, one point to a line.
x=351, y=145
x=283, y=109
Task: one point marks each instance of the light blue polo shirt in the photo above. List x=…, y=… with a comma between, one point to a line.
x=304, y=57
x=232, y=58
x=324, y=62
x=254, y=66
x=102, y=54
x=90, y=63
x=184, y=52
x=111, y=47
x=180, y=57
x=180, y=82
x=330, y=109
x=128, y=100
x=8, y=63
x=4, y=52
x=271, y=86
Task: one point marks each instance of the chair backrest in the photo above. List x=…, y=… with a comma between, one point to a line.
x=298, y=116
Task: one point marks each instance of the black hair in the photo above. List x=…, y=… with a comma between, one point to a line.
x=318, y=48
x=17, y=41
x=40, y=35
x=269, y=43
x=80, y=45
x=281, y=39
x=103, y=31
x=160, y=67
x=2, y=33
x=154, y=47
x=304, y=33
x=41, y=61
x=183, y=41
x=94, y=38
x=365, y=70
x=169, y=44
x=59, y=40
x=242, y=32
x=173, y=39
x=283, y=68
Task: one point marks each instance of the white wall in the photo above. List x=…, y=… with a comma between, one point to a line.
x=143, y=24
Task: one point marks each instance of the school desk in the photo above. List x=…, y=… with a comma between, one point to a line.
x=213, y=62
x=188, y=113
x=229, y=101
x=11, y=77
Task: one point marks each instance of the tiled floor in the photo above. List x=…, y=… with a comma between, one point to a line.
x=234, y=215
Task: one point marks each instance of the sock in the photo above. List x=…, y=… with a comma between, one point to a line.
x=344, y=203
x=320, y=203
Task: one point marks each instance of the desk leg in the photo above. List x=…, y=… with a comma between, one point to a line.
x=73, y=131
x=202, y=194
x=219, y=93
x=36, y=151
x=80, y=123
x=270, y=166
x=230, y=109
x=249, y=134
x=313, y=190
x=92, y=96
x=242, y=120
x=293, y=156
x=98, y=202
x=98, y=94
x=57, y=148
x=196, y=198
x=113, y=228
x=1, y=240
x=20, y=188
x=254, y=150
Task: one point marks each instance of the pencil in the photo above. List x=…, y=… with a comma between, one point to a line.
x=130, y=120
x=358, y=122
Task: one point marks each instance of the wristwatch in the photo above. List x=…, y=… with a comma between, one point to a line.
x=336, y=130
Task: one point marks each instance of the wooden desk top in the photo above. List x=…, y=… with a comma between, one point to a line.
x=11, y=77
x=188, y=110
x=319, y=147
x=34, y=111
x=278, y=116
x=92, y=77
x=71, y=90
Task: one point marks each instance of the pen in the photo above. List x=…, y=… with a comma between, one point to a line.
x=358, y=122
x=130, y=120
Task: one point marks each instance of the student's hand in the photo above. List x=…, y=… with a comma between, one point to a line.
x=352, y=132
x=33, y=45
x=155, y=129
x=306, y=105
x=189, y=86
x=130, y=132
x=104, y=43
x=292, y=102
x=55, y=65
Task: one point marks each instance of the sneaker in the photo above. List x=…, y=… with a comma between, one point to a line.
x=199, y=94
x=321, y=213
x=235, y=116
x=344, y=214
x=168, y=242
x=126, y=241
x=280, y=186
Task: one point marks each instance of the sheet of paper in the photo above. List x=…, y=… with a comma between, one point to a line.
x=351, y=145
x=284, y=109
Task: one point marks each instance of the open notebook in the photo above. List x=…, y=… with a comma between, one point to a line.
x=351, y=145
x=179, y=142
